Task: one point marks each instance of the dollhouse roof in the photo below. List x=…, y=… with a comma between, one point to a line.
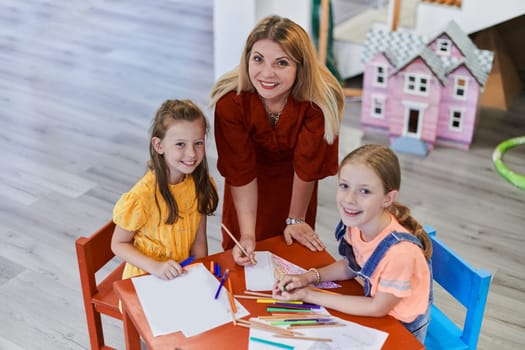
x=399, y=44
x=401, y=48
x=479, y=62
x=432, y=60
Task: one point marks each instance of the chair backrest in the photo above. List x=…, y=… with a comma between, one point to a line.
x=468, y=286
x=93, y=253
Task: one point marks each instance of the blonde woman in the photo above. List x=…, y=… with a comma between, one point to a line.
x=277, y=118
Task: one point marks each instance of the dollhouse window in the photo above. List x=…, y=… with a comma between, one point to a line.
x=443, y=47
x=380, y=75
x=416, y=84
x=460, y=88
x=456, y=120
x=378, y=106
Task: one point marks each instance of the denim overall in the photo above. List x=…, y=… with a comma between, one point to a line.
x=419, y=326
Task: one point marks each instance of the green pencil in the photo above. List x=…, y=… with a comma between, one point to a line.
x=269, y=342
x=281, y=323
x=280, y=309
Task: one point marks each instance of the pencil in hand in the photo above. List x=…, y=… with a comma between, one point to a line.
x=238, y=244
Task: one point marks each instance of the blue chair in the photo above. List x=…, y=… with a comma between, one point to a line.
x=468, y=286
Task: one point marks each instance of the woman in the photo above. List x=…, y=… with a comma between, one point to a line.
x=277, y=118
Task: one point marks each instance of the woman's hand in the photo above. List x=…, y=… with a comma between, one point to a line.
x=248, y=243
x=167, y=270
x=303, y=234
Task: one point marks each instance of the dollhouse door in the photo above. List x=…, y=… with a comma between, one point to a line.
x=413, y=122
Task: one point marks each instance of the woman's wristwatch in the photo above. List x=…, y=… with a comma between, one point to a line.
x=292, y=221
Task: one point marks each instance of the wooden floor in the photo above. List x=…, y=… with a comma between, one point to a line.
x=79, y=84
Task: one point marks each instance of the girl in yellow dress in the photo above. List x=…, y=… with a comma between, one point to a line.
x=162, y=220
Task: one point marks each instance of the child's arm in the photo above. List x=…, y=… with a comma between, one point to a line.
x=122, y=246
x=337, y=271
x=294, y=287
x=199, y=247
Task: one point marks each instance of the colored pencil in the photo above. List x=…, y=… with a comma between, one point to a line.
x=324, y=290
x=226, y=273
x=272, y=343
x=288, y=323
x=296, y=316
x=316, y=325
x=266, y=327
x=187, y=261
x=283, y=309
x=240, y=296
x=237, y=243
x=264, y=295
x=298, y=304
x=280, y=302
x=230, y=293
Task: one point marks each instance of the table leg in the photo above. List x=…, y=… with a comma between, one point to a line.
x=131, y=336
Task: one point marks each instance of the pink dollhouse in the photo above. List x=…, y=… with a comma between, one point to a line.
x=424, y=92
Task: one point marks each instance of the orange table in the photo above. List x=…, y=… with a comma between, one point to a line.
x=229, y=336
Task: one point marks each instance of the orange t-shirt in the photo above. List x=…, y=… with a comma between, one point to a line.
x=403, y=271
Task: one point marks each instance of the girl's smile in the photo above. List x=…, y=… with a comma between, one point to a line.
x=361, y=199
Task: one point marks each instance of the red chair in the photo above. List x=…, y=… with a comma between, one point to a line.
x=93, y=253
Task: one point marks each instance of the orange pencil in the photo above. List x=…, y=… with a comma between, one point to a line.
x=232, y=301
x=212, y=267
x=323, y=290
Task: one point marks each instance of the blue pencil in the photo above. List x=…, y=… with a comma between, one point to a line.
x=226, y=273
x=187, y=261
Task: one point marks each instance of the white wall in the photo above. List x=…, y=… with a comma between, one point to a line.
x=234, y=19
x=474, y=15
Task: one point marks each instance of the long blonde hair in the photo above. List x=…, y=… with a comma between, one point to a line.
x=313, y=82
x=384, y=162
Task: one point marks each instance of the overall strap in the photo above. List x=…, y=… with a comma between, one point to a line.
x=340, y=230
x=346, y=250
x=392, y=239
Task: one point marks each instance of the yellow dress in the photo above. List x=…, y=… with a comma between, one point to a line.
x=137, y=211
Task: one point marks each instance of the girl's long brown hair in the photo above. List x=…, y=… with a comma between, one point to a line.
x=207, y=196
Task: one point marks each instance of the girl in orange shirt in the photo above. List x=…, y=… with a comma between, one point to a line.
x=384, y=248
x=162, y=219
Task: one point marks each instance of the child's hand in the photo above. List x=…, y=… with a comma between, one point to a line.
x=295, y=294
x=167, y=270
x=288, y=285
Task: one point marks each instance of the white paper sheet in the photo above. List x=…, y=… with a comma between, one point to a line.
x=185, y=303
x=351, y=336
x=260, y=276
